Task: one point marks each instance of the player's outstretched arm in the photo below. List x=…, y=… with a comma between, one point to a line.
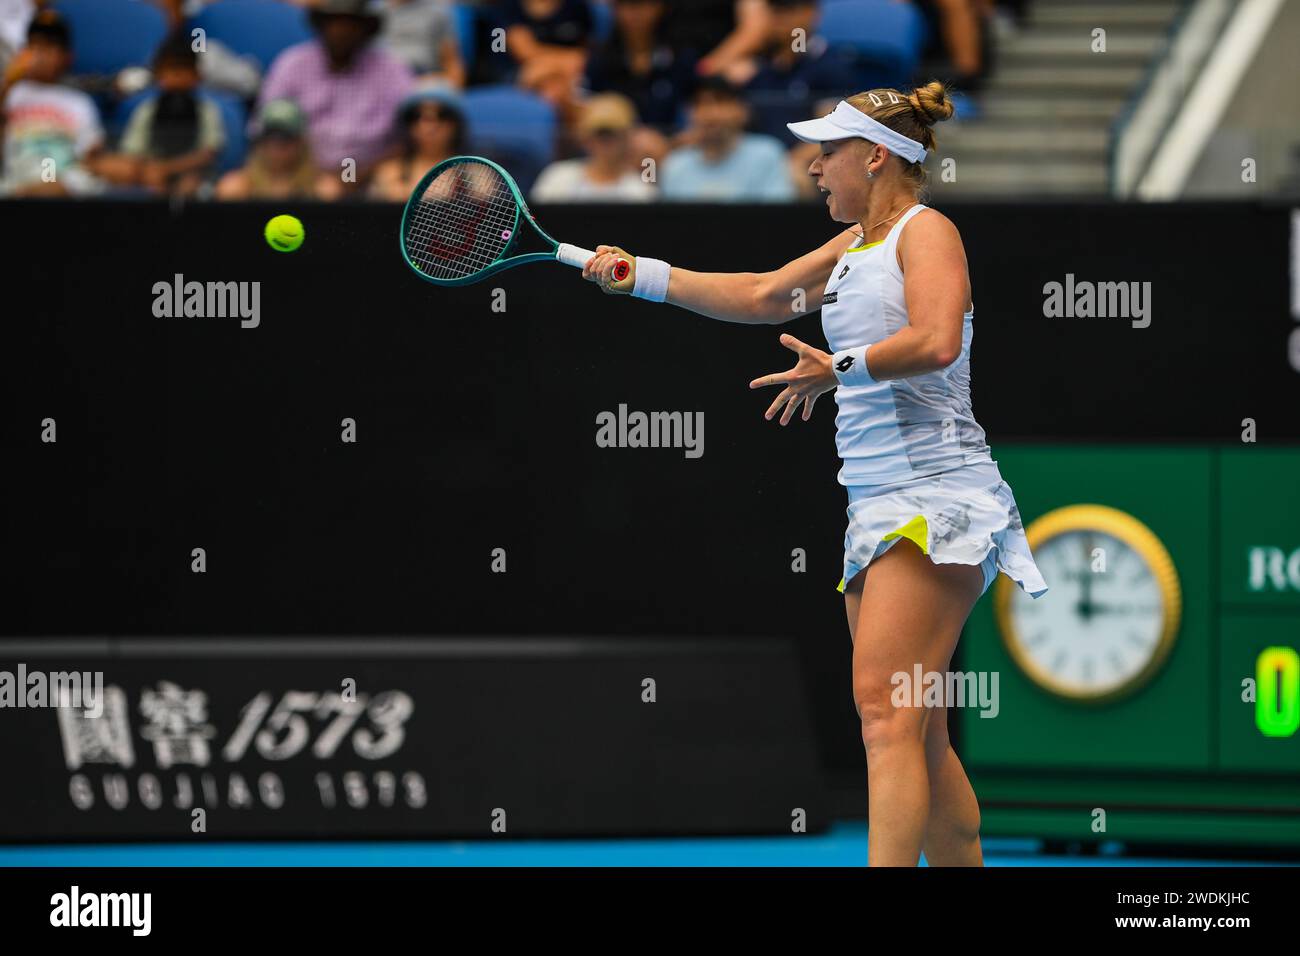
x=755, y=298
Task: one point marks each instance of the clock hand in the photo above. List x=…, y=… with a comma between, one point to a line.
x=1085, y=605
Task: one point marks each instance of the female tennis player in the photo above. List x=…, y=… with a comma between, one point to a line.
x=928, y=512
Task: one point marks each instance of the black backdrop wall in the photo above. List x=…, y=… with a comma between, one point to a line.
x=476, y=428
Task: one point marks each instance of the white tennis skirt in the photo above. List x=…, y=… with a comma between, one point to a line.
x=964, y=516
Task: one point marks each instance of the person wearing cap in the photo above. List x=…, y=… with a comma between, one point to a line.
x=606, y=173
x=280, y=163
x=724, y=163
x=348, y=86
x=931, y=522
x=52, y=138
x=432, y=125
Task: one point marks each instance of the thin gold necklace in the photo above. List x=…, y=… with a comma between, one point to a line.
x=883, y=221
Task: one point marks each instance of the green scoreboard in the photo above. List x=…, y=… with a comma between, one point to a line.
x=1153, y=694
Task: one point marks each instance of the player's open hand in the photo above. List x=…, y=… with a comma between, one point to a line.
x=600, y=269
x=811, y=377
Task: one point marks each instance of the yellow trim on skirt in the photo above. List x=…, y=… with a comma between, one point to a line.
x=916, y=531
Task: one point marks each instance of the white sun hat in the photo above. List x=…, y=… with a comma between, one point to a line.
x=846, y=121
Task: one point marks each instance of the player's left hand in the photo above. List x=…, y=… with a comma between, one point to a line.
x=811, y=377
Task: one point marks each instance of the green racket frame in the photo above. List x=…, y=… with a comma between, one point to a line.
x=559, y=252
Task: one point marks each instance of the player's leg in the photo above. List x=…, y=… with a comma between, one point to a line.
x=910, y=611
x=952, y=831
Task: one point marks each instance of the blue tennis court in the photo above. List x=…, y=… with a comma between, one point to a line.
x=844, y=845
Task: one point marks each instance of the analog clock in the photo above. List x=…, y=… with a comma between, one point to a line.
x=1110, y=617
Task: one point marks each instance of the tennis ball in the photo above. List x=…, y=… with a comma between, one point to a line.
x=284, y=233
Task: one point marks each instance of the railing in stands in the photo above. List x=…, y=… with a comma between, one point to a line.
x=1138, y=129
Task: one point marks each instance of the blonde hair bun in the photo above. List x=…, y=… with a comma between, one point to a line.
x=932, y=103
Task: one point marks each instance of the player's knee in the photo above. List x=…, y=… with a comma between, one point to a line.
x=886, y=725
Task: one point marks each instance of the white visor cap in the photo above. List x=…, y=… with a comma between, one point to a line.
x=847, y=121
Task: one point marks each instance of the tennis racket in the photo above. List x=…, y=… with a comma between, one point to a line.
x=461, y=225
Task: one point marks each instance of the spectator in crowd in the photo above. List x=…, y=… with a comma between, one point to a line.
x=608, y=171
x=422, y=34
x=718, y=31
x=784, y=66
x=348, y=86
x=960, y=26
x=173, y=139
x=796, y=66
x=432, y=121
x=639, y=62
x=220, y=68
x=52, y=136
x=726, y=163
x=548, y=40
x=280, y=163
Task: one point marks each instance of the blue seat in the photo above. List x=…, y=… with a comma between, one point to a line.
x=233, y=120
x=110, y=35
x=257, y=28
x=964, y=107
x=507, y=119
x=466, y=20
x=602, y=18
x=882, y=32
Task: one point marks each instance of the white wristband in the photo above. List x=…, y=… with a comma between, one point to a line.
x=651, y=279
x=850, y=366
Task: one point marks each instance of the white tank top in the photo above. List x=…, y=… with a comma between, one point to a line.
x=905, y=427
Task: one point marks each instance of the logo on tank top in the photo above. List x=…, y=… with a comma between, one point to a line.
x=843, y=272
x=830, y=297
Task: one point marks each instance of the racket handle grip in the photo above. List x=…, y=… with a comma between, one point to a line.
x=573, y=255
x=577, y=256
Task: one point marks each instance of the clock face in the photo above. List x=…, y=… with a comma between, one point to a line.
x=1108, y=620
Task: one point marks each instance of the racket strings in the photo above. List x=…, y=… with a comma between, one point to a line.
x=462, y=223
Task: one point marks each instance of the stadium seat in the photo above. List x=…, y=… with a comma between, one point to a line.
x=602, y=18
x=110, y=35
x=507, y=119
x=466, y=32
x=964, y=107
x=882, y=31
x=234, y=119
x=256, y=28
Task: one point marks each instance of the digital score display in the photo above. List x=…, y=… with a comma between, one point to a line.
x=1277, y=689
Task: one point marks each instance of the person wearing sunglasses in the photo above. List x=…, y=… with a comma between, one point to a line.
x=608, y=169
x=431, y=122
